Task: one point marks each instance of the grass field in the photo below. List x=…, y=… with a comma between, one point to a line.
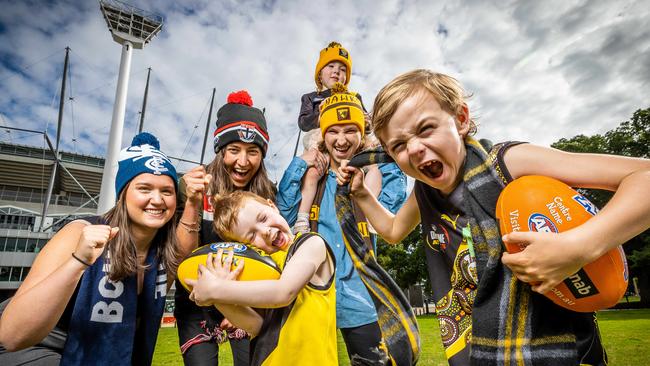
x=626, y=335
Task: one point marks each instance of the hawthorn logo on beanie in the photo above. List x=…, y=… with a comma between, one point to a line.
x=238, y=120
x=341, y=108
x=333, y=52
x=143, y=156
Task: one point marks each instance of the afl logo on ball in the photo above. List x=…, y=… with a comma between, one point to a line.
x=235, y=247
x=541, y=223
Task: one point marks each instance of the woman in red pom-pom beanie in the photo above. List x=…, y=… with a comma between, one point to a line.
x=240, y=144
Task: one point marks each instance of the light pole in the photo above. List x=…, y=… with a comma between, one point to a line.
x=132, y=28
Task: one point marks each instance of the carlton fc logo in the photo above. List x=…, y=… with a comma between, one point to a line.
x=156, y=164
x=235, y=247
x=541, y=223
x=246, y=133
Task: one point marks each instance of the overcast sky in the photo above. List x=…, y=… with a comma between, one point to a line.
x=538, y=70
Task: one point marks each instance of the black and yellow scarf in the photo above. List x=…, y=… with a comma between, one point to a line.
x=395, y=316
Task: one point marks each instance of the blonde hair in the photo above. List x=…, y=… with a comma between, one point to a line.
x=445, y=89
x=226, y=209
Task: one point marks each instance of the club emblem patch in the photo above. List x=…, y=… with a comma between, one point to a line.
x=343, y=113
x=246, y=134
x=156, y=164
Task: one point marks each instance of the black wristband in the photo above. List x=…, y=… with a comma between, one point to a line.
x=81, y=260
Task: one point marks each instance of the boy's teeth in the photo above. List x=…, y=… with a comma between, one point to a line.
x=431, y=169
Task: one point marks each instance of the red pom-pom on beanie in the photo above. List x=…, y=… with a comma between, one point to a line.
x=240, y=97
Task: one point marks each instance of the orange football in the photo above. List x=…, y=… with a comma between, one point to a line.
x=537, y=203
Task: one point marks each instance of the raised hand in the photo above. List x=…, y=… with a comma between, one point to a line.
x=196, y=182
x=354, y=176
x=92, y=241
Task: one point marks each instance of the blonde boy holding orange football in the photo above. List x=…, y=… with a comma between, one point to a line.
x=299, y=327
x=423, y=122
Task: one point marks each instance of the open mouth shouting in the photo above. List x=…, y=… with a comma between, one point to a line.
x=280, y=240
x=431, y=169
x=342, y=151
x=240, y=175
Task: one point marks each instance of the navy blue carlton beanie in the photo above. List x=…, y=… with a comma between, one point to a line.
x=143, y=156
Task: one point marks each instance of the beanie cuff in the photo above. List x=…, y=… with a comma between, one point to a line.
x=243, y=131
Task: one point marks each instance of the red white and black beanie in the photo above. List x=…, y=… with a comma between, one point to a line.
x=238, y=120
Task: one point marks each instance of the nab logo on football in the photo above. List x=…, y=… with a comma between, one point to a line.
x=235, y=247
x=540, y=223
x=589, y=207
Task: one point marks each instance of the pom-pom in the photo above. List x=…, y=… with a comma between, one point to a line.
x=240, y=97
x=333, y=44
x=338, y=88
x=145, y=138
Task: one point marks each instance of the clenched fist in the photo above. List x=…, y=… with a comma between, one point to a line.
x=92, y=241
x=196, y=182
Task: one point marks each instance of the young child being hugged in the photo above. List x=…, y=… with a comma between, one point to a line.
x=334, y=67
x=484, y=296
x=299, y=327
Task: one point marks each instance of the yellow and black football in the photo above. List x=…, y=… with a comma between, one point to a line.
x=256, y=266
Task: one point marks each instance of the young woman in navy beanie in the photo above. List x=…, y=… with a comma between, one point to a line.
x=240, y=143
x=96, y=292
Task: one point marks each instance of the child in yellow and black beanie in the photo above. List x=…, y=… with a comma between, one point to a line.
x=340, y=108
x=334, y=66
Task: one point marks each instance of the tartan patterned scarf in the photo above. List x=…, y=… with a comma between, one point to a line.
x=511, y=325
x=395, y=316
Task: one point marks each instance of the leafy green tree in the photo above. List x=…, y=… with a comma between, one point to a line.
x=405, y=261
x=630, y=138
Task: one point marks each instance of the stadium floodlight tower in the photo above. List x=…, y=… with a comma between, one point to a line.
x=132, y=28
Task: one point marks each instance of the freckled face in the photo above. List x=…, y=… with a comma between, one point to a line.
x=334, y=72
x=427, y=142
x=262, y=226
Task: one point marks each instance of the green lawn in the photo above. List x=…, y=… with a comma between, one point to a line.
x=626, y=335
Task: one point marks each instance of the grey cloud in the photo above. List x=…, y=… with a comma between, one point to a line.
x=538, y=70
